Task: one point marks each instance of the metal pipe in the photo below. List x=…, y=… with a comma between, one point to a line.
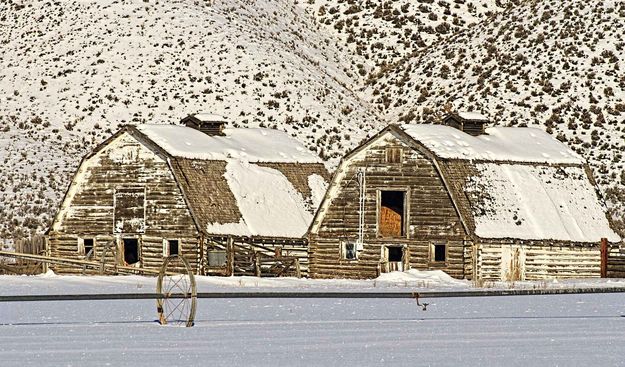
x=332, y=295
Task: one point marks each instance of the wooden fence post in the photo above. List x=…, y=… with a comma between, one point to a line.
x=298, y=270
x=256, y=259
x=604, y=257
x=202, y=261
x=230, y=256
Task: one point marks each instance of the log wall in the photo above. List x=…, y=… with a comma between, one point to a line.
x=431, y=217
x=616, y=261
x=512, y=262
x=88, y=209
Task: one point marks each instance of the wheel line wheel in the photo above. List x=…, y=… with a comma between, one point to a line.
x=176, y=285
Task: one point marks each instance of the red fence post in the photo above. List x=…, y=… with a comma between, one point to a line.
x=604, y=257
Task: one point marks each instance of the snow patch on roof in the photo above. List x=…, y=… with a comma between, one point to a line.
x=318, y=187
x=251, y=145
x=472, y=116
x=238, y=229
x=209, y=117
x=269, y=204
x=500, y=144
x=534, y=203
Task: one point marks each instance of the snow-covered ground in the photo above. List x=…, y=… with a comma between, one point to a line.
x=571, y=330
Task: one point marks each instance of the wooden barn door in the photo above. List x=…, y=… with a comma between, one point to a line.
x=512, y=263
x=395, y=258
x=391, y=214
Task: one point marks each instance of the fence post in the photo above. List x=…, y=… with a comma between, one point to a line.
x=604, y=257
x=230, y=255
x=256, y=264
x=46, y=252
x=298, y=270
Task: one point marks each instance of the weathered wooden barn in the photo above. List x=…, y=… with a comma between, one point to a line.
x=489, y=204
x=230, y=200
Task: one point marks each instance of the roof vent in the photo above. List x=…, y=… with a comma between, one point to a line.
x=207, y=123
x=469, y=122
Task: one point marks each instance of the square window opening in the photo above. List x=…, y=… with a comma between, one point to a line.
x=440, y=252
x=217, y=258
x=88, y=246
x=391, y=214
x=395, y=253
x=131, y=250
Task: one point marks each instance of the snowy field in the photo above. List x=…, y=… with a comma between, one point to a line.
x=554, y=330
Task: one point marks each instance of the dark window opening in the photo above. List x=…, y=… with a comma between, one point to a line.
x=349, y=251
x=395, y=254
x=440, y=253
x=173, y=247
x=88, y=245
x=391, y=215
x=131, y=250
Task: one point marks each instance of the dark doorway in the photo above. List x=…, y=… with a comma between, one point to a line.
x=131, y=250
x=391, y=214
x=395, y=254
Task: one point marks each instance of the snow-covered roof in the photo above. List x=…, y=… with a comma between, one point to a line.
x=269, y=203
x=499, y=144
x=520, y=201
x=536, y=203
x=472, y=116
x=209, y=117
x=251, y=145
x=250, y=182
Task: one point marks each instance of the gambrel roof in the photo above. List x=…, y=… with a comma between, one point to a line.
x=249, y=182
x=513, y=183
x=246, y=145
x=512, y=144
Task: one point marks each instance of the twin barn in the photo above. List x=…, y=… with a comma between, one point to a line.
x=497, y=203
x=489, y=204
x=226, y=199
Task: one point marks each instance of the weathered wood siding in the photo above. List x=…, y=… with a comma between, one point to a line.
x=431, y=216
x=248, y=245
x=616, y=261
x=533, y=262
x=88, y=210
x=207, y=191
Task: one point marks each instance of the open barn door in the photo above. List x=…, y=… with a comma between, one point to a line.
x=391, y=214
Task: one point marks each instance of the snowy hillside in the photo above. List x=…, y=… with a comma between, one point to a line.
x=553, y=64
x=379, y=33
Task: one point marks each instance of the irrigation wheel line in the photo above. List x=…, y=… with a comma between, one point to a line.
x=178, y=293
x=309, y=294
